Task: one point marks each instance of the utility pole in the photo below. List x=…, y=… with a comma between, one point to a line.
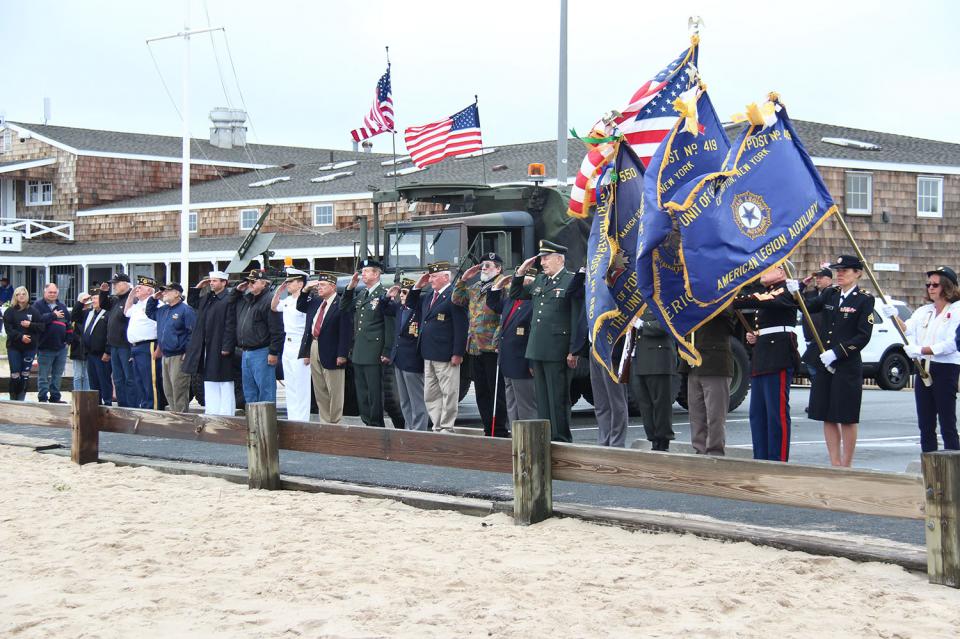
x=562, y=100
x=185, y=117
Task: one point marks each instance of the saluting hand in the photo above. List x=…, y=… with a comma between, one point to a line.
x=393, y=291
x=471, y=272
x=422, y=281
x=527, y=264
x=354, y=281
x=203, y=283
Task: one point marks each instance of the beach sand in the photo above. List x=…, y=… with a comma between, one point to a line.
x=106, y=551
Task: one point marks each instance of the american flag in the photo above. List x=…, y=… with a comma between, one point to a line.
x=458, y=134
x=647, y=120
x=644, y=122
x=380, y=118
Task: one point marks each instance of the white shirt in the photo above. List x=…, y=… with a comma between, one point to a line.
x=293, y=320
x=939, y=332
x=141, y=328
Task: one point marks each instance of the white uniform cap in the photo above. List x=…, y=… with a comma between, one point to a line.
x=218, y=275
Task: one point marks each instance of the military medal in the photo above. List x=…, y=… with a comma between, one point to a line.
x=373, y=304
x=440, y=317
x=520, y=331
x=536, y=291
x=559, y=292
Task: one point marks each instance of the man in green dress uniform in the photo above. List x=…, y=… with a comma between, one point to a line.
x=372, y=339
x=554, y=337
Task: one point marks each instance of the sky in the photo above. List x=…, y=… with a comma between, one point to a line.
x=306, y=71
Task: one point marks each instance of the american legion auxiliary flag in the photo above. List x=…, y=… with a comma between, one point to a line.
x=767, y=201
x=380, y=118
x=695, y=147
x=456, y=135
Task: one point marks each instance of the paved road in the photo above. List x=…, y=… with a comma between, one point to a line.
x=888, y=442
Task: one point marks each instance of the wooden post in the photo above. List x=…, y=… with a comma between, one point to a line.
x=532, y=478
x=85, y=427
x=941, y=478
x=263, y=450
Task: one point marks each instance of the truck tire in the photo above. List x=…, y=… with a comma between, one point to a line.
x=894, y=370
x=740, y=382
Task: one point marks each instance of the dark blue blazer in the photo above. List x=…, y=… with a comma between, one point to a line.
x=335, y=333
x=513, y=334
x=405, y=353
x=443, y=327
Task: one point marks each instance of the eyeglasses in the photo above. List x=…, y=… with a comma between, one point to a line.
x=933, y=285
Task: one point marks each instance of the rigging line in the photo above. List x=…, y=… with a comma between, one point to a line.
x=213, y=45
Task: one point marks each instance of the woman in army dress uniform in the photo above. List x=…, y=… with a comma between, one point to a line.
x=846, y=327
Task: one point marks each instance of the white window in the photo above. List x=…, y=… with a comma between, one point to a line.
x=192, y=222
x=859, y=193
x=39, y=193
x=323, y=214
x=6, y=140
x=929, y=196
x=248, y=217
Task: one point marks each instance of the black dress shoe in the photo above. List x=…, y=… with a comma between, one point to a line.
x=57, y=401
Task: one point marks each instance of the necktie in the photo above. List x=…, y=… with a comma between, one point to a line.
x=320, y=313
x=436, y=294
x=516, y=305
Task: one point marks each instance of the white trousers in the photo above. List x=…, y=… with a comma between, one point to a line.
x=219, y=398
x=296, y=381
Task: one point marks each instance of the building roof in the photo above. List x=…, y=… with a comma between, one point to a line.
x=122, y=143
x=499, y=165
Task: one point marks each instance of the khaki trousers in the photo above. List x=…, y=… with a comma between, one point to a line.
x=328, y=387
x=708, y=399
x=441, y=393
x=176, y=384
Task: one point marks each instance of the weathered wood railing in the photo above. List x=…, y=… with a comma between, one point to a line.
x=535, y=462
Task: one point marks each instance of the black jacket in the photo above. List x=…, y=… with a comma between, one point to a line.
x=96, y=341
x=77, y=348
x=56, y=331
x=214, y=333
x=713, y=341
x=116, y=321
x=775, y=307
x=258, y=326
x=846, y=328
x=11, y=324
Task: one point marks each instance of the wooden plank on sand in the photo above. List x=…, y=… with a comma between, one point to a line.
x=840, y=489
x=489, y=454
x=31, y=414
x=155, y=423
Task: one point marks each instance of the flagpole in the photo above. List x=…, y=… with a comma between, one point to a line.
x=393, y=133
x=924, y=375
x=483, y=161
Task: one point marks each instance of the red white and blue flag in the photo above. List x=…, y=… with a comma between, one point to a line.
x=647, y=120
x=380, y=118
x=456, y=135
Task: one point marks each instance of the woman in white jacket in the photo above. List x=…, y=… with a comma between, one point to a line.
x=932, y=331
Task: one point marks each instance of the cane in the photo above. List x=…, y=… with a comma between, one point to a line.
x=496, y=387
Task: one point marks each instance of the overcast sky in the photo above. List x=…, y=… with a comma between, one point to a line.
x=307, y=70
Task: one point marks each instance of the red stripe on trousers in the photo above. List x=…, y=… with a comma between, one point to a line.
x=784, y=433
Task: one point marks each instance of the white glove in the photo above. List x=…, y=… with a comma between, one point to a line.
x=888, y=310
x=912, y=351
x=793, y=286
x=828, y=357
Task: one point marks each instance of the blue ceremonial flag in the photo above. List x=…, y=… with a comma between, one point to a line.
x=696, y=147
x=753, y=215
x=613, y=300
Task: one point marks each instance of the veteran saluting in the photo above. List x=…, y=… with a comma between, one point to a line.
x=372, y=340
x=553, y=333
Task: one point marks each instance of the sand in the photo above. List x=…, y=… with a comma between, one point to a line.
x=106, y=551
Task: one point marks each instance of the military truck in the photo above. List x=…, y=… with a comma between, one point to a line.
x=509, y=220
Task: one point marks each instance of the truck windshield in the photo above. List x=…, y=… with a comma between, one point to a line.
x=403, y=248
x=441, y=244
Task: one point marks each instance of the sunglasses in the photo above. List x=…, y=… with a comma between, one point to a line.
x=933, y=285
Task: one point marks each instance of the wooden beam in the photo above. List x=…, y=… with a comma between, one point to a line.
x=532, y=483
x=31, y=414
x=263, y=453
x=154, y=423
x=85, y=430
x=941, y=475
x=453, y=451
x=840, y=489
